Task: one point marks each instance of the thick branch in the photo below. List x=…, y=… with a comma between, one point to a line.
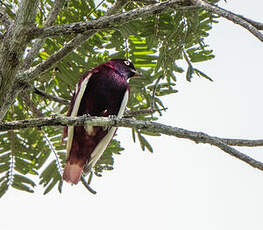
x=258, y=25
x=198, y=137
x=39, y=42
x=4, y=18
x=12, y=49
x=242, y=142
x=104, y=22
x=55, y=57
x=230, y=16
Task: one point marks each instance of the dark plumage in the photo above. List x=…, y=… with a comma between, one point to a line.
x=102, y=91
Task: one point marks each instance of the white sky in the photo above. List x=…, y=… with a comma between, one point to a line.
x=182, y=185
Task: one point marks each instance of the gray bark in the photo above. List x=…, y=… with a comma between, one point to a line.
x=12, y=49
x=154, y=127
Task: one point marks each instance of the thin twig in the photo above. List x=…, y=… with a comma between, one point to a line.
x=45, y=94
x=50, y=96
x=87, y=186
x=134, y=113
x=105, y=22
x=37, y=113
x=12, y=136
x=154, y=91
x=31, y=105
x=117, y=7
x=52, y=148
x=95, y=8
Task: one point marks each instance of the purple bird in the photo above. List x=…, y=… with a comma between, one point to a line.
x=103, y=91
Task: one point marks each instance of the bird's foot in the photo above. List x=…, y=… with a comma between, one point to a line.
x=112, y=116
x=107, y=128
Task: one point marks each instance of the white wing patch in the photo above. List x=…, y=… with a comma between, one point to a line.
x=75, y=110
x=100, y=148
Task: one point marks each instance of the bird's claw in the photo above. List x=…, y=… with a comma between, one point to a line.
x=112, y=116
x=107, y=128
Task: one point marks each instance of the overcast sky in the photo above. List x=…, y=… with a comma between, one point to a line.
x=181, y=185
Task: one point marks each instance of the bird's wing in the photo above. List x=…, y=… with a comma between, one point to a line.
x=80, y=89
x=102, y=145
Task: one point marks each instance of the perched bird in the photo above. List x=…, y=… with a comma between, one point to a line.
x=103, y=91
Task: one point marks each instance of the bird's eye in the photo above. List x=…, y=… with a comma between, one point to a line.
x=126, y=62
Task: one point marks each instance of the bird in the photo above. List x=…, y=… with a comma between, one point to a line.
x=102, y=91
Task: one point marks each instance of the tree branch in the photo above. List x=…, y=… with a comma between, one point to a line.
x=242, y=142
x=4, y=18
x=66, y=49
x=230, y=16
x=117, y=7
x=134, y=113
x=31, y=105
x=104, y=22
x=258, y=25
x=46, y=95
x=39, y=42
x=50, y=97
x=12, y=49
x=43, y=67
x=154, y=91
x=198, y=137
x=127, y=114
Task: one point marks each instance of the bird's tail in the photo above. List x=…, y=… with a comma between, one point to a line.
x=72, y=173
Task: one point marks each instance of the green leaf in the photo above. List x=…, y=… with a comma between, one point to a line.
x=144, y=143
x=189, y=73
x=21, y=183
x=201, y=74
x=23, y=179
x=50, y=177
x=4, y=167
x=3, y=188
x=133, y=135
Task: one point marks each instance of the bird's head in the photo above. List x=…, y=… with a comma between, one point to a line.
x=124, y=67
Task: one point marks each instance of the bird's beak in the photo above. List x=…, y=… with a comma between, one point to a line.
x=136, y=73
